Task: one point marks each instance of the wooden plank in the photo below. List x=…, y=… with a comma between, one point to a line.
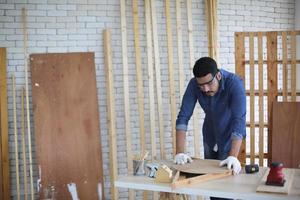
x=16, y=136
x=272, y=83
x=293, y=66
x=265, y=33
x=24, y=144
x=284, y=66
x=180, y=49
x=67, y=131
x=150, y=78
x=171, y=74
x=139, y=80
x=111, y=117
x=158, y=79
x=199, y=179
x=196, y=125
x=278, y=61
x=252, y=108
x=261, y=98
x=288, y=176
x=240, y=71
x=126, y=92
x=5, y=177
x=24, y=23
x=286, y=138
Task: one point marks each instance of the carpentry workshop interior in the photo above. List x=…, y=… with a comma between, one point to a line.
x=149, y=99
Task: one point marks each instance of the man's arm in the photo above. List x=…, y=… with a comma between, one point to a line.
x=235, y=147
x=180, y=141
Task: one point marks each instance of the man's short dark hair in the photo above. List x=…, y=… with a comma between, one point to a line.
x=204, y=66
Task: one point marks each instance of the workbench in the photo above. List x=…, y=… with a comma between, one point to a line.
x=242, y=186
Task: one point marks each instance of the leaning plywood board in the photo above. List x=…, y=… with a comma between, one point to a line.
x=66, y=123
x=286, y=137
x=288, y=176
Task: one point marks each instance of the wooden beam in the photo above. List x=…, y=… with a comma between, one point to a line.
x=180, y=48
x=252, y=109
x=139, y=80
x=24, y=23
x=293, y=65
x=158, y=79
x=5, y=179
x=272, y=83
x=284, y=66
x=126, y=92
x=240, y=70
x=111, y=117
x=196, y=125
x=171, y=74
x=150, y=78
x=261, y=99
x=24, y=144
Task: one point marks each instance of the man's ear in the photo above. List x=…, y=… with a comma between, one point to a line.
x=219, y=76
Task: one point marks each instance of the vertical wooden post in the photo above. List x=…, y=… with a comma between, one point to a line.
x=240, y=70
x=179, y=48
x=158, y=79
x=24, y=144
x=196, y=114
x=293, y=65
x=272, y=84
x=16, y=136
x=4, y=157
x=284, y=66
x=150, y=77
x=110, y=112
x=252, y=109
x=139, y=81
x=171, y=73
x=261, y=98
x=126, y=92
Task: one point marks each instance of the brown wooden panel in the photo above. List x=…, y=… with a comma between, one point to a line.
x=286, y=137
x=67, y=123
x=4, y=154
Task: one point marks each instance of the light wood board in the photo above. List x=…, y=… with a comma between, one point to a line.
x=200, y=166
x=66, y=124
x=288, y=176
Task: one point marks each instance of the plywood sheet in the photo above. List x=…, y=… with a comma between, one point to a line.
x=67, y=124
x=286, y=133
x=288, y=176
x=201, y=166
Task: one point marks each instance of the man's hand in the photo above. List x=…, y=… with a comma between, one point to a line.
x=232, y=162
x=182, y=158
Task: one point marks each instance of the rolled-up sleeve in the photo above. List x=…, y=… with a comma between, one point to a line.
x=238, y=110
x=187, y=106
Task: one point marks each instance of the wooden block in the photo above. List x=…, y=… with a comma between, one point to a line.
x=164, y=174
x=288, y=175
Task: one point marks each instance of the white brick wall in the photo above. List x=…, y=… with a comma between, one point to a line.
x=69, y=26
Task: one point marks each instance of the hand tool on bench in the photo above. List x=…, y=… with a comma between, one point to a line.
x=276, y=177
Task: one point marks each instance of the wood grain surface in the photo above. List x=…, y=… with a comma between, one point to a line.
x=67, y=124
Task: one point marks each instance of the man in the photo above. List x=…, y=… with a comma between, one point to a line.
x=222, y=96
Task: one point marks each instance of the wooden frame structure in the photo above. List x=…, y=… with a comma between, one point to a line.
x=279, y=66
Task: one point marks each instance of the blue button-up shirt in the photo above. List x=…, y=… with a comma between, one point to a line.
x=225, y=112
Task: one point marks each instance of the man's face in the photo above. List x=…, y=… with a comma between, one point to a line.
x=209, y=84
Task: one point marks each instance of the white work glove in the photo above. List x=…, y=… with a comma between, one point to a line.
x=232, y=162
x=182, y=158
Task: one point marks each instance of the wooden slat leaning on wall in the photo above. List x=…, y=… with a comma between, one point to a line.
x=171, y=74
x=293, y=65
x=261, y=98
x=252, y=108
x=4, y=157
x=126, y=92
x=240, y=70
x=158, y=79
x=111, y=117
x=284, y=66
x=272, y=83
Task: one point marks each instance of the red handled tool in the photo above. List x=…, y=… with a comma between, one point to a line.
x=276, y=177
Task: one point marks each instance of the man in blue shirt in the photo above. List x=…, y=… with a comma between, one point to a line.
x=222, y=96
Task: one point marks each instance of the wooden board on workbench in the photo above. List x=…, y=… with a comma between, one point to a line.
x=66, y=124
x=201, y=166
x=288, y=176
